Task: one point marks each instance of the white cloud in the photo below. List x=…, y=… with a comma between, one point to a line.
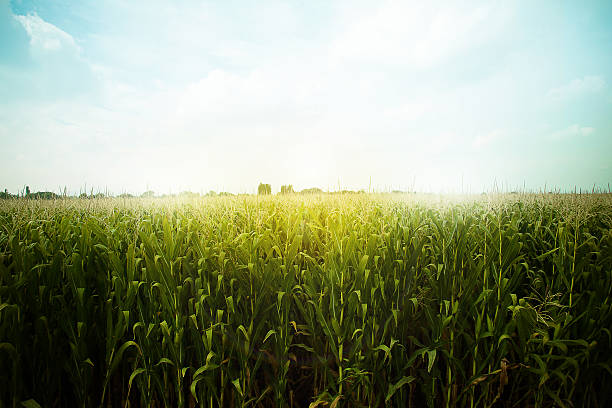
x=55, y=67
x=578, y=87
x=571, y=132
x=223, y=93
x=46, y=36
x=412, y=110
x=486, y=139
x=417, y=33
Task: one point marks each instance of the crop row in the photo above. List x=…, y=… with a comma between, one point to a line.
x=320, y=301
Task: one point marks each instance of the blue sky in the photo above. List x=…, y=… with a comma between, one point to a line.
x=221, y=95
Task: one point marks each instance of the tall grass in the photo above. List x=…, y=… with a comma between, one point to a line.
x=361, y=300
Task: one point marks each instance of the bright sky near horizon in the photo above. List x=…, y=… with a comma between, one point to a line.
x=126, y=96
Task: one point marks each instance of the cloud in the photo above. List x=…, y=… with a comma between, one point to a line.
x=417, y=34
x=486, y=139
x=54, y=68
x=223, y=93
x=13, y=39
x=412, y=110
x=572, y=131
x=46, y=36
x=578, y=87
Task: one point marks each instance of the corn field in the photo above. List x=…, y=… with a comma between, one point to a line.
x=320, y=301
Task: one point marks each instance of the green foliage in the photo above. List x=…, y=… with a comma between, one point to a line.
x=340, y=300
x=6, y=195
x=264, y=189
x=43, y=195
x=189, y=194
x=287, y=189
x=314, y=190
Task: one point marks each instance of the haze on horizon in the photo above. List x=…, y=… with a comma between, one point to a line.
x=127, y=96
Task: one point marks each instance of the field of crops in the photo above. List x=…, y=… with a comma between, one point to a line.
x=297, y=301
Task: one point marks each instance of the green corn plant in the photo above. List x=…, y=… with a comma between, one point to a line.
x=347, y=300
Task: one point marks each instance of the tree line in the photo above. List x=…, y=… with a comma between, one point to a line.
x=262, y=189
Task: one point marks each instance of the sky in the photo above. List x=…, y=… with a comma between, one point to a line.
x=459, y=96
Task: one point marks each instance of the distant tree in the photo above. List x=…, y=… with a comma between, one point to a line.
x=314, y=190
x=44, y=195
x=225, y=193
x=148, y=194
x=264, y=189
x=83, y=195
x=126, y=195
x=189, y=194
x=27, y=191
x=211, y=193
x=288, y=189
